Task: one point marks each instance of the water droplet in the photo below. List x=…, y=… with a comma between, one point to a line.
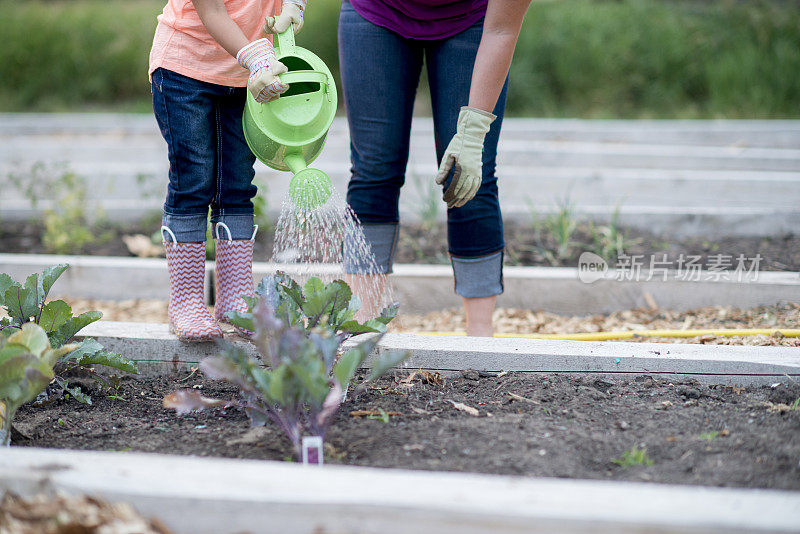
x=313, y=241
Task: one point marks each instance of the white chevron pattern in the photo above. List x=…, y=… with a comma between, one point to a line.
x=234, y=277
x=189, y=317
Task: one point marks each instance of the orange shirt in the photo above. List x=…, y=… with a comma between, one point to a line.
x=183, y=45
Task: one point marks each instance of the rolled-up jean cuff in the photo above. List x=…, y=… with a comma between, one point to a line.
x=381, y=240
x=478, y=277
x=240, y=226
x=186, y=228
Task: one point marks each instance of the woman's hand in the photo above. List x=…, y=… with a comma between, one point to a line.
x=501, y=29
x=291, y=13
x=259, y=58
x=464, y=154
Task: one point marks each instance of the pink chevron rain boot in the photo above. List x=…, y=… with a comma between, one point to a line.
x=189, y=317
x=234, y=275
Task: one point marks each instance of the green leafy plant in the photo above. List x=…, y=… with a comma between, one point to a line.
x=381, y=416
x=709, y=436
x=307, y=378
x=554, y=233
x=795, y=405
x=608, y=240
x=27, y=303
x=26, y=368
x=261, y=215
x=429, y=201
x=67, y=225
x=634, y=456
x=315, y=305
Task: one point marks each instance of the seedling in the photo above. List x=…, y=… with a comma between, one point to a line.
x=608, y=240
x=709, y=436
x=634, y=456
x=381, y=416
x=27, y=304
x=796, y=404
x=298, y=336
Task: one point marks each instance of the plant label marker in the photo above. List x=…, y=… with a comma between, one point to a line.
x=312, y=450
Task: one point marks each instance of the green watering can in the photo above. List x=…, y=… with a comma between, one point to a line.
x=288, y=133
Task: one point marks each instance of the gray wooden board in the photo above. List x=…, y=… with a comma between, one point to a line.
x=219, y=496
x=159, y=351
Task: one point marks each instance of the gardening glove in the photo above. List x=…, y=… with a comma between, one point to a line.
x=291, y=13
x=259, y=58
x=464, y=153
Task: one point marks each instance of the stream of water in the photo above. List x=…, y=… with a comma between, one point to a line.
x=315, y=242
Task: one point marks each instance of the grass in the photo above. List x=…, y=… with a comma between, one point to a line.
x=709, y=436
x=577, y=58
x=634, y=456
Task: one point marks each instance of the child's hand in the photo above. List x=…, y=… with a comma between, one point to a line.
x=259, y=58
x=291, y=13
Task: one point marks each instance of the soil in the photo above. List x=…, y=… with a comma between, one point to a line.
x=530, y=425
x=525, y=245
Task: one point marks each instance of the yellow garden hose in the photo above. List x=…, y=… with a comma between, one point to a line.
x=630, y=334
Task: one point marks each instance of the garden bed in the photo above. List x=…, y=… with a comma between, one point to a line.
x=525, y=246
x=531, y=425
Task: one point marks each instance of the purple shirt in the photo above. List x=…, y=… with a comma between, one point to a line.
x=422, y=19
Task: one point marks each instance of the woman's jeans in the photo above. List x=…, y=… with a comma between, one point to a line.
x=380, y=73
x=210, y=164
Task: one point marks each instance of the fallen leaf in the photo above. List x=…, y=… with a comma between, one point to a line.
x=672, y=439
x=257, y=434
x=81, y=513
x=419, y=411
x=140, y=245
x=368, y=413
x=663, y=405
x=520, y=398
x=186, y=400
x=464, y=408
x=779, y=407
x=426, y=377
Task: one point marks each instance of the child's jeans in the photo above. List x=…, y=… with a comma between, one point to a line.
x=380, y=72
x=210, y=164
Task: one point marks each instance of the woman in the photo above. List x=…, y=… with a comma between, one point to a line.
x=467, y=46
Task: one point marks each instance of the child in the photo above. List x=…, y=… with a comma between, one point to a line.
x=204, y=54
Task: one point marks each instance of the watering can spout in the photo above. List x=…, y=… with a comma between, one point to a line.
x=308, y=188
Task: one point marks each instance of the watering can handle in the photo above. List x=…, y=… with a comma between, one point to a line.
x=298, y=76
x=285, y=41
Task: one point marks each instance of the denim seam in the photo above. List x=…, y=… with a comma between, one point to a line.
x=394, y=247
x=170, y=143
x=218, y=158
x=498, y=251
